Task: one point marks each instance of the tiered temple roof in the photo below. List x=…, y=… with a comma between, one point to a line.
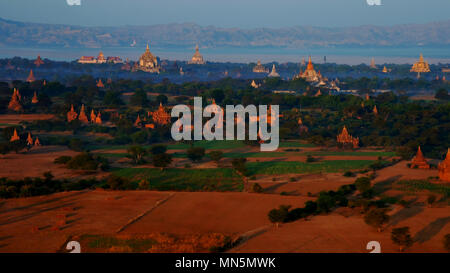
x=100, y=84
x=309, y=74
x=197, y=58
x=419, y=161
x=421, y=66
x=15, y=136
x=38, y=62
x=274, y=72
x=138, y=122
x=98, y=119
x=82, y=117
x=35, y=99
x=160, y=116
x=71, y=115
x=345, y=138
x=15, y=102
x=29, y=139
x=375, y=110
x=31, y=76
x=444, y=168
x=148, y=62
x=259, y=68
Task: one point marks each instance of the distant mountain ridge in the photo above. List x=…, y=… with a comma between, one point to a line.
x=13, y=33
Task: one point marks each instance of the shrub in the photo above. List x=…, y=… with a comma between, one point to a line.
x=362, y=184
x=279, y=215
x=431, y=200
x=447, y=242
x=144, y=185
x=216, y=156
x=158, y=149
x=349, y=174
x=161, y=160
x=118, y=183
x=137, y=154
x=83, y=161
x=196, y=153
x=239, y=164
x=76, y=144
x=62, y=159
x=310, y=159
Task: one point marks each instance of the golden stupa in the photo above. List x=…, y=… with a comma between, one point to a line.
x=197, y=58
x=420, y=67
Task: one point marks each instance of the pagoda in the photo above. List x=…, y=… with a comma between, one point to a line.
x=274, y=72
x=160, y=116
x=259, y=68
x=372, y=64
x=419, y=161
x=15, y=136
x=444, y=168
x=345, y=138
x=34, y=100
x=197, y=58
x=82, y=117
x=254, y=84
x=138, y=122
x=100, y=84
x=37, y=142
x=375, y=110
x=71, y=115
x=319, y=93
x=30, y=140
x=98, y=119
x=385, y=70
x=93, y=116
x=420, y=67
x=367, y=96
x=31, y=76
x=14, y=103
x=148, y=62
x=309, y=74
x=38, y=62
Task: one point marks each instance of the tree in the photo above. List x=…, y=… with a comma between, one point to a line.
x=161, y=160
x=447, y=242
x=162, y=99
x=240, y=166
x=279, y=215
x=376, y=218
x=158, y=149
x=118, y=183
x=112, y=99
x=362, y=184
x=137, y=153
x=325, y=202
x=83, y=161
x=139, y=98
x=442, y=94
x=196, y=153
x=216, y=156
x=401, y=237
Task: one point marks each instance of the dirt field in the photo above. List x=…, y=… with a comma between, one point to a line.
x=16, y=119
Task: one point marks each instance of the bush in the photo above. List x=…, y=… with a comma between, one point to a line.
x=362, y=184
x=118, y=183
x=76, y=144
x=83, y=161
x=239, y=164
x=447, y=242
x=279, y=215
x=196, y=153
x=216, y=156
x=62, y=159
x=144, y=185
x=310, y=159
x=137, y=153
x=158, y=149
x=349, y=174
x=162, y=160
x=431, y=200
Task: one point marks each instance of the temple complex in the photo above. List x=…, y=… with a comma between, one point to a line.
x=15, y=136
x=345, y=138
x=310, y=75
x=71, y=115
x=31, y=76
x=38, y=62
x=420, y=67
x=160, y=116
x=259, y=68
x=100, y=84
x=419, y=161
x=15, y=102
x=197, y=58
x=148, y=62
x=444, y=168
x=274, y=72
x=35, y=99
x=82, y=117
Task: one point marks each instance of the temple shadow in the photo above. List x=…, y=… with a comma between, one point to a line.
x=405, y=214
x=385, y=185
x=431, y=230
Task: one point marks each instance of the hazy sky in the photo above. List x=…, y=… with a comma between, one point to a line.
x=227, y=13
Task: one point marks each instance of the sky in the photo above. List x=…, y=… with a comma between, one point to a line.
x=227, y=13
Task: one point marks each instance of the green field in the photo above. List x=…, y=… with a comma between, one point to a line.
x=420, y=185
x=107, y=242
x=185, y=179
x=355, y=153
x=285, y=167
